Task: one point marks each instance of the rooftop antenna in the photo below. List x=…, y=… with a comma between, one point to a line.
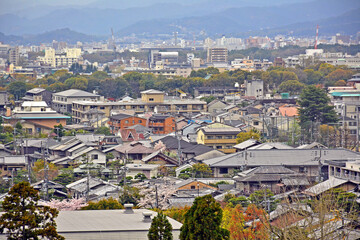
x=317, y=36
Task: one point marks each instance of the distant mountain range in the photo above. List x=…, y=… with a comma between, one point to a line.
x=64, y=35
x=205, y=17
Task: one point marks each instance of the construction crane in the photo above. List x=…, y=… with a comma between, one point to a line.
x=317, y=36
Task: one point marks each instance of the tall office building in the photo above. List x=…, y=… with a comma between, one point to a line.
x=217, y=55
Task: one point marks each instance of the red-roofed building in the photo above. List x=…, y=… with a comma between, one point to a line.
x=288, y=111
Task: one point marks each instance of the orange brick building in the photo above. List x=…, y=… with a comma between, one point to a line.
x=122, y=121
x=162, y=124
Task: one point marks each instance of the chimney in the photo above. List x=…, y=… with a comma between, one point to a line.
x=128, y=208
x=147, y=216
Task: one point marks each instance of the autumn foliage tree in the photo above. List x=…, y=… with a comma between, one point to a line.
x=38, y=170
x=235, y=219
x=24, y=219
x=243, y=136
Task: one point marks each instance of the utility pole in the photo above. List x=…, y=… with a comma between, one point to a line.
x=156, y=195
x=357, y=128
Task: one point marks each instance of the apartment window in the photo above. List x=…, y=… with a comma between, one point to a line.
x=140, y=121
x=218, y=147
x=151, y=99
x=127, y=121
x=102, y=107
x=224, y=170
x=218, y=137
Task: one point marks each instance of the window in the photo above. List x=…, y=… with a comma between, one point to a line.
x=57, y=120
x=126, y=121
x=210, y=137
x=192, y=187
x=302, y=169
x=223, y=170
x=256, y=123
x=218, y=147
x=140, y=121
x=94, y=157
x=151, y=99
x=102, y=107
x=218, y=137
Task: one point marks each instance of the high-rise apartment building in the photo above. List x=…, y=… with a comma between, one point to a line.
x=63, y=59
x=217, y=55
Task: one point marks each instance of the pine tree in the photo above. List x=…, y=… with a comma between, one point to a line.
x=24, y=219
x=160, y=228
x=314, y=106
x=203, y=221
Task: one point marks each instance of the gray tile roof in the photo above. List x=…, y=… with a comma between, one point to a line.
x=285, y=157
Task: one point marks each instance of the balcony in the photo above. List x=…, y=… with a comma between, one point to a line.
x=220, y=141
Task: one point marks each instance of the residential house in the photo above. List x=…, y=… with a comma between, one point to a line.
x=133, y=151
x=310, y=162
x=345, y=170
x=122, y=121
x=220, y=137
x=149, y=170
x=162, y=124
x=216, y=106
x=161, y=159
x=98, y=188
x=269, y=177
x=9, y=165
x=62, y=101
x=36, y=117
x=38, y=94
x=192, y=184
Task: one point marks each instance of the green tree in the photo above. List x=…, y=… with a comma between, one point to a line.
x=103, y=130
x=262, y=198
x=18, y=89
x=314, y=107
x=129, y=195
x=160, y=228
x=103, y=204
x=24, y=219
x=201, y=170
x=243, y=136
x=203, y=221
x=291, y=86
x=208, y=99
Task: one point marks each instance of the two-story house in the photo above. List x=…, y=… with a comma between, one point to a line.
x=62, y=101
x=218, y=136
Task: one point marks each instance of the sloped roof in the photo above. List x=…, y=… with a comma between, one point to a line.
x=159, y=153
x=197, y=149
x=278, y=157
x=130, y=148
x=271, y=145
x=172, y=143
x=324, y=186
x=247, y=144
x=75, y=93
x=121, y=116
x=152, y=91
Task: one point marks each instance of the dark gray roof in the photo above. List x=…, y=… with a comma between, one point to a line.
x=197, y=149
x=159, y=117
x=120, y=116
x=172, y=143
x=278, y=157
x=75, y=93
